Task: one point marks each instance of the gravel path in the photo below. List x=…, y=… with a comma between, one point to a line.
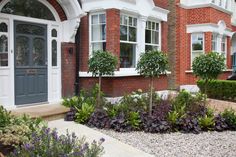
x=209, y=144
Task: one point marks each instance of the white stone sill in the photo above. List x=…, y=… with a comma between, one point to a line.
x=191, y=71
x=124, y=73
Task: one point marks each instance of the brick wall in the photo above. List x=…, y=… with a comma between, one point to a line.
x=183, y=40
x=68, y=69
x=84, y=43
x=161, y=3
x=113, y=32
x=118, y=86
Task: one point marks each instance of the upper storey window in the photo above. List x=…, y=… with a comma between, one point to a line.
x=28, y=8
x=221, y=3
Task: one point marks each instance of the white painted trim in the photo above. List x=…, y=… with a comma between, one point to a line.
x=124, y=73
x=208, y=27
x=136, y=7
x=204, y=5
x=191, y=71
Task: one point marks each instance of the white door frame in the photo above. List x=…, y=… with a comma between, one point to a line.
x=54, y=73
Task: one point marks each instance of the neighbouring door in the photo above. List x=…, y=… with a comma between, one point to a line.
x=30, y=63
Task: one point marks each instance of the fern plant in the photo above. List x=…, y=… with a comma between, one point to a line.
x=83, y=114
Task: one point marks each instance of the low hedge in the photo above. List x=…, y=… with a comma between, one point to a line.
x=219, y=89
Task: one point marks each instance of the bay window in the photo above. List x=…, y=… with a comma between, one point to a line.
x=197, y=45
x=219, y=44
x=214, y=42
x=152, y=36
x=98, y=32
x=223, y=46
x=128, y=41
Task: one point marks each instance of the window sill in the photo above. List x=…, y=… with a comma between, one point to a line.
x=122, y=73
x=191, y=71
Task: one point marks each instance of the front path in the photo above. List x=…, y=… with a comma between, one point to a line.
x=113, y=147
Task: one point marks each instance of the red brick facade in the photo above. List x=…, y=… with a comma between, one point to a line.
x=186, y=17
x=68, y=68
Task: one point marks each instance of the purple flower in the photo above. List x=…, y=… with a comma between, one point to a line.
x=28, y=146
x=102, y=140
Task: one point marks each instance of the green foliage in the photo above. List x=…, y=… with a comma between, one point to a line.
x=134, y=120
x=5, y=117
x=219, y=89
x=173, y=117
x=230, y=118
x=83, y=114
x=72, y=102
x=206, y=122
x=152, y=64
x=112, y=110
x=208, y=66
x=102, y=63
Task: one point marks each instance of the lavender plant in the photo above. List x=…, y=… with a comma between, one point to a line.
x=47, y=143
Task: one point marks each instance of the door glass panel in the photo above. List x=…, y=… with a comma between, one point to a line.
x=30, y=29
x=22, y=51
x=54, y=53
x=3, y=51
x=3, y=27
x=38, y=51
x=28, y=8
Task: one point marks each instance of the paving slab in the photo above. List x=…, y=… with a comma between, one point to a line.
x=112, y=147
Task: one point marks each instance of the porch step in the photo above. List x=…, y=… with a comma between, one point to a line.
x=45, y=111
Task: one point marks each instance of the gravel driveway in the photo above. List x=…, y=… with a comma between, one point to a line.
x=208, y=144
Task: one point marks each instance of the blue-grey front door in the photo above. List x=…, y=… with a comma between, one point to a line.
x=30, y=63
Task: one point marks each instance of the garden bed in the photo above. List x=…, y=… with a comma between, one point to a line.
x=183, y=113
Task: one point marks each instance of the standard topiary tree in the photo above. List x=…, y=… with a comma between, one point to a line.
x=208, y=67
x=100, y=64
x=152, y=64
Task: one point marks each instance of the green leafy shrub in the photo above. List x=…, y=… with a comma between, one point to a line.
x=102, y=63
x=83, y=114
x=47, y=143
x=152, y=64
x=219, y=89
x=134, y=120
x=208, y=67
x=206, y=122
x=5, y=117
x=72, y=102
x=230, y=118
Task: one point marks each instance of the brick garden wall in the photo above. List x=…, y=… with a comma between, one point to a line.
x=118, y=86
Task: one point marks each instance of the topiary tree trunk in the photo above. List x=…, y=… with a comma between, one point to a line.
x=151, y=96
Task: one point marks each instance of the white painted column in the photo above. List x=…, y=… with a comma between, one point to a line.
x=141, y=36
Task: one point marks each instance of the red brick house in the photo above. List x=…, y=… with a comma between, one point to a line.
x=45, y=44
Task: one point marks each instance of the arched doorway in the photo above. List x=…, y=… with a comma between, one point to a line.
x=30, y=67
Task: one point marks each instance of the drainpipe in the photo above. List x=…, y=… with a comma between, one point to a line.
x=77, y=67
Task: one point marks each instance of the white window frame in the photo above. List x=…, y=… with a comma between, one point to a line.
x=159, y=34
x=215, y=40
x=91, y=42
x=203, y=47
x=131, y=42
x=219, y=41
x=8, y=41
x=224, y=53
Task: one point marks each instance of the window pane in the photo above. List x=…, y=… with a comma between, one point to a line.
x=38, y=51
x=196, y=54
x=28, y=8
x=132, y=34
x=22, y=51
x=102, y=18
x=54, y=33
x=103, y=32
x=123, y=33
x=98, y=46
x=148, y=36
x=197, y=42
x=151, y=48
x=3, y=27
x=94, y=19
x=3, y=50
x=157, y=26
x=127, y=55
x=126, y=18
x=155, y=37
x=54, y=53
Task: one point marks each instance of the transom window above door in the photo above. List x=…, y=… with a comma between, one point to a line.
x=28, y=8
